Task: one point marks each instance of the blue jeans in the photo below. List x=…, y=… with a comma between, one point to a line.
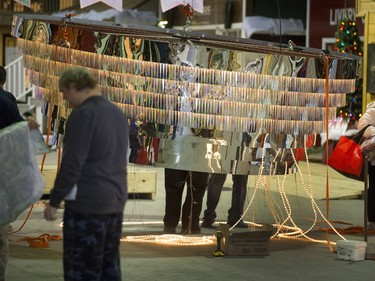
x=214, y=188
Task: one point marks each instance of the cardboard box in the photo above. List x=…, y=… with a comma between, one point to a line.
x=246, y=242
x=351, y=250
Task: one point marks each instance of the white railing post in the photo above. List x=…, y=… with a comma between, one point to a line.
x=18, y=83
x=17, y=79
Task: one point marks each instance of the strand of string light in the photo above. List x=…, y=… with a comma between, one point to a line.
x=309, y=190
x=171, y=240
x=282, y=229
x=115, y=83
x=215, y=122
x=296, y=231
x=202, y=105
x=172, y=71
x=313, y=202
x=287, y=207
x=208, y=121
x=284, y=114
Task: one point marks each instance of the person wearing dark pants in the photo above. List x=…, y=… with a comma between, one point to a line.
x=371, y=197
x=368, y=119
x=92, y=180
x=214, y=188
x=83, y=231
x=175, y=181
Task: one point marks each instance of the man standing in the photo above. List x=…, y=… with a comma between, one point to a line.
x=9, y=114
x=91, y=180
x=175, y=181
x=214, y=188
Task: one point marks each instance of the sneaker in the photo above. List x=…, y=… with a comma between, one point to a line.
x=241, y=224
x=371, y=225
x=208, y=224
x=169, y=230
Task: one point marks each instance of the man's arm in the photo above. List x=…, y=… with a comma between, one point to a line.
x=32, y=122
x=50, y=213
x=76, y=149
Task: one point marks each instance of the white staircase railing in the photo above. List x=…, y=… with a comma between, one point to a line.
x=18, y=82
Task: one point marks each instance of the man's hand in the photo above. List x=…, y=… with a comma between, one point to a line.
x=32, y=123
x=50, y=213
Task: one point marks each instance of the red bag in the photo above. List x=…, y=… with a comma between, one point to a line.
x=142, y=157
x=347, y=158
x=299, y=154
x=148, y=154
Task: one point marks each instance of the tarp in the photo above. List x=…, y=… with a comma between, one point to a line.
x=21, y=182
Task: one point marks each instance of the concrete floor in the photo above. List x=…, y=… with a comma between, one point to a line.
x=288, y=259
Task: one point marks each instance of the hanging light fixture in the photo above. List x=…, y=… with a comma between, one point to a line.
x=213, y=89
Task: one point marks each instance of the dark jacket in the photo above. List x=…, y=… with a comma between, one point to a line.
x=9, y=112
x=94, y=158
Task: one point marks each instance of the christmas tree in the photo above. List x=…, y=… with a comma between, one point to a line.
x=348, y=41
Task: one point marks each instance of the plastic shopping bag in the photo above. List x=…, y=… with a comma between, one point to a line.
x=21, y=183
x=347, y=157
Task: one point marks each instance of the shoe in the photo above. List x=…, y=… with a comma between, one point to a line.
x=371, y=225
x=194, y=230
x=241, y=224
x=169, y=230
x=208, y=224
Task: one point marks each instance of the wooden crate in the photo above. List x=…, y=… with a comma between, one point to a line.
x=141, y=183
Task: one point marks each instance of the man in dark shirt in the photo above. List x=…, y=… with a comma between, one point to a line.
x=9, y=112
x=91, y=180
x=8, y=104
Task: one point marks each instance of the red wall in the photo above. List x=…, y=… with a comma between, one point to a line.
x=324, y=16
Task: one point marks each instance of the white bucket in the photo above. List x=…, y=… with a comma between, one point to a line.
x=351, y=250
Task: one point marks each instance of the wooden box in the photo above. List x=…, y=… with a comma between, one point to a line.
x=141, y=183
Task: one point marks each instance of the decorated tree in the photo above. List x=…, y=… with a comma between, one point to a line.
x=348, y=41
